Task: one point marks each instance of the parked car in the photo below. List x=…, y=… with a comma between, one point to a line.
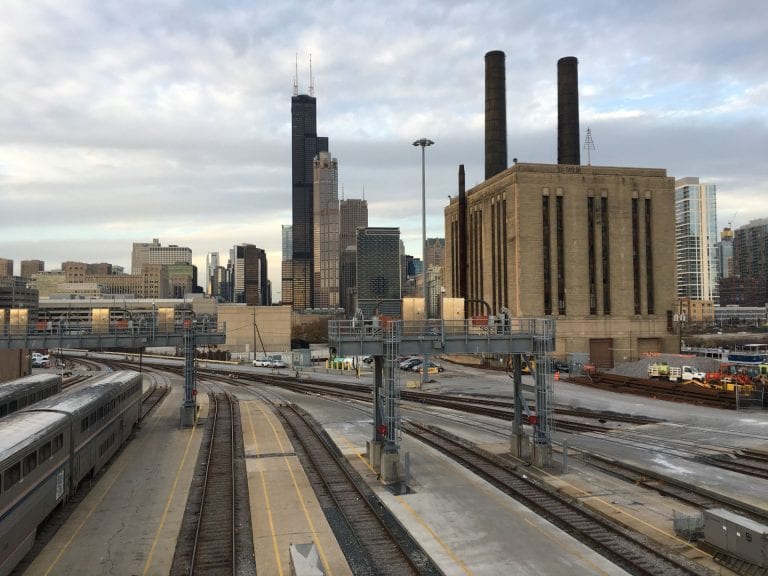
x=417, y=367
x=368, y=359
x=408, y=364
x=277, y=363
x=263, y=362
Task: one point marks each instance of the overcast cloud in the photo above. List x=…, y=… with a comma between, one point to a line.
x=123, y=121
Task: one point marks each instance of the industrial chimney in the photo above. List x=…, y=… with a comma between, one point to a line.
x=495, y=114
x=568, y=151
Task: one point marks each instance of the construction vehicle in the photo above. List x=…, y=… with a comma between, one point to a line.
x=675, y=373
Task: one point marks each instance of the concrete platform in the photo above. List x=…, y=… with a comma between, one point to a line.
x=129, y=521
x=284, y=509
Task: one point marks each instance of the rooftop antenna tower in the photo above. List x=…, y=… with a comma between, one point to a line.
x=589, y=145
x=296, y=77
x=311, y=79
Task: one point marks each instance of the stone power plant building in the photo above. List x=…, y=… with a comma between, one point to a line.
x=593, y=247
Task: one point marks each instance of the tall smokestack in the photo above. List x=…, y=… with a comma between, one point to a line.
x=460, y=287
x=568, y=150
x=495, y=114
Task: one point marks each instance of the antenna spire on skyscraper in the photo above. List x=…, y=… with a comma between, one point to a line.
x=296, y=77
x=311, y=79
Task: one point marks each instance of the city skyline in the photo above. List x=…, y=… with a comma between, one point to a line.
x=175, y=122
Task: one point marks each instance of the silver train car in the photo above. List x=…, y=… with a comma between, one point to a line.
x=47, y=449
x=18, y=394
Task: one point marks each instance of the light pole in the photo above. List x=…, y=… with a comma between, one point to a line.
x=424, y=142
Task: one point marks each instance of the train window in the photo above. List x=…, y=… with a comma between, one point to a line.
x=84, y=425
x=3, y=410
x=30, y=463
x=12, y=476
x=44, y=452
x=58, y=443
x=13, y=405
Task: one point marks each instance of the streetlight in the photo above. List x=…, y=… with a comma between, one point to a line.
x=424, y=142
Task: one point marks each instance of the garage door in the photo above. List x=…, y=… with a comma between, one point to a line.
x=601, y=353
x=646, y=346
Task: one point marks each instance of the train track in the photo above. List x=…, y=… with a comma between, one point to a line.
x=209, y=541
x=631, y=551
x=375, y=542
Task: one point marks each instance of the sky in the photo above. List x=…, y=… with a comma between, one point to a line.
x=122, y=121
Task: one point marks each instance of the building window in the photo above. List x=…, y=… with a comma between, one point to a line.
x=636, y=254
x=592, y=259
x=560, y=256
x=547, y=255
x=606, y=256
x=649, y=259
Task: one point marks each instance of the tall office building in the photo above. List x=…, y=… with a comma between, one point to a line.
x=211, y=263
x=155, y=253
x=326, y=232
x=695, y=238
x=249, y=277
x=353, y=214
x=378, y=271
x=305, y=146
x=6, y=267
x=30, y=267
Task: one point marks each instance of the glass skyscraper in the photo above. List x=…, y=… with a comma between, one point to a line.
x=696, y=236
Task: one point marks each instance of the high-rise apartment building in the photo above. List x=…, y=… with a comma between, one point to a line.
x=155, y=253
x=695, y=238
x=211, y=263
x=378, y=271
x=305, y=146
x=30, y=267
x=249, y=275
x=326, y=232
x=6, y=267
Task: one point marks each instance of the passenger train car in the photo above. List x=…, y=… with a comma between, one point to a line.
x=20, y=393
x=47, y=449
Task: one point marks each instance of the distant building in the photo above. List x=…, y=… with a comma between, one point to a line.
x=286, y=270
x=325, y=240
x=211, y=263
x=249, y=275
x=155, y=253
x=6, y=268
x=724, y=254
x=695, y=237
x=435, y=252
x=348, y=280
x=750, y=258
x=378, y=271
x=182, y=278
x=353, y=214
x=30, y=267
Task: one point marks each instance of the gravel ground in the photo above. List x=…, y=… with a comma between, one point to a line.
x=639, y=369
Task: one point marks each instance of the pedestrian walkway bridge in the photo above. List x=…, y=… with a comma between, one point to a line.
x=94, y=336
x=469, y=336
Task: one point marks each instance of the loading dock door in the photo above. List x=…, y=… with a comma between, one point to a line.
x=601, y=353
